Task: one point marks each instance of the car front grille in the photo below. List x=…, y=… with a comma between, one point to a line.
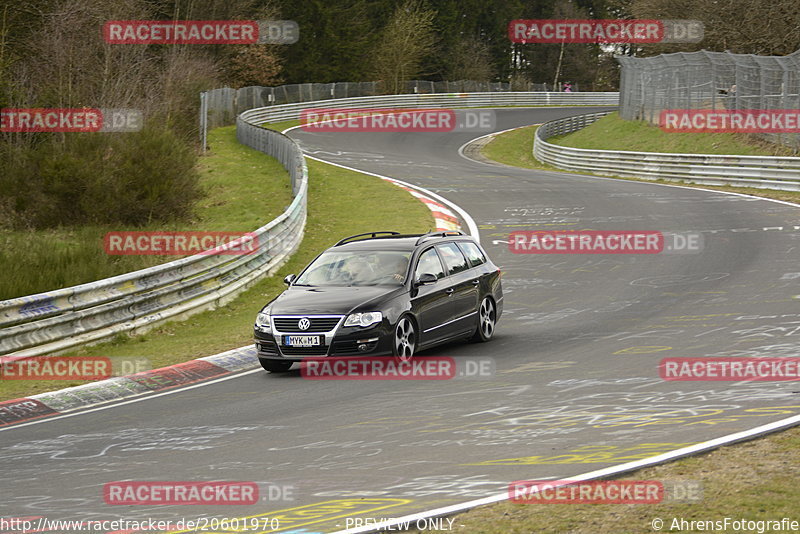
x=304, y=351
x=318, y=324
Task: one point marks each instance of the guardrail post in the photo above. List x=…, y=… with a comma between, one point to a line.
x=203, y=120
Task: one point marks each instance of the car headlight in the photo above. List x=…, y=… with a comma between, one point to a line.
x=363, y=319
x=262, y=320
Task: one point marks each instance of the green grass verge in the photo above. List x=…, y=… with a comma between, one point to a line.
x=515, y=148
x=341, y=203
x=754, y=481
x=613, y=133
x=505, y=148
x=244, y=190
x=281, y=126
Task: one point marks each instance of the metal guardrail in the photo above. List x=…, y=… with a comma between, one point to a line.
x=763, y=172
x=223, y=104
x=454, y=100
x=58, y=320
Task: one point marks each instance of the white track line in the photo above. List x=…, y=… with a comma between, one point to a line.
x=146, y=396
x=608, y=471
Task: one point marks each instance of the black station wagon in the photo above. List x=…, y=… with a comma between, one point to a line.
x=382, y=293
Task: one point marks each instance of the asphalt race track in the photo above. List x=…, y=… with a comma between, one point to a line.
x=576, y=386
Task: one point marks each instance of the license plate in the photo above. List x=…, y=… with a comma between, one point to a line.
x=302, y=341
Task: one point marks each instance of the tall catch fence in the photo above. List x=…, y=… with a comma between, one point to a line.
x=710, y=80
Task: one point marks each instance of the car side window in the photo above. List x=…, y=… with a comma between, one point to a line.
x=453, y=258
x=430, y=263
x=473, y=253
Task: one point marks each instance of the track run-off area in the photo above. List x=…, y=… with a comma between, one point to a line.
x=575, y=388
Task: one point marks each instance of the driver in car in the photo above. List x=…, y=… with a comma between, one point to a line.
x=393, y=268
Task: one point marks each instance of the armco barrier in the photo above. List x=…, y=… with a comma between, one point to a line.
x=454, y=100
x=763, y=172
x=58, y=320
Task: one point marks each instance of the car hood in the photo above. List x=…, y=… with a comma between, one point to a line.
x=299, y=300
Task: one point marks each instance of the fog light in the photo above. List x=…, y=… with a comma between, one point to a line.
x=362, y=347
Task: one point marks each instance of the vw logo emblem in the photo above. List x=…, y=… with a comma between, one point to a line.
x=304, y=323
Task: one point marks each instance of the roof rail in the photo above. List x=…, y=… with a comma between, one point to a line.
x=446, y=233
x=372, y=235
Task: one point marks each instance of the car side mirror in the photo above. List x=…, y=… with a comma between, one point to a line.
x=426, y=278
x=289, y=279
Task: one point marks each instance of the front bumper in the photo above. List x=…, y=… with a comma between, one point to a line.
x=375, y=340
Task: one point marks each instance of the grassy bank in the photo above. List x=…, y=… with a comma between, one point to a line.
x=244, y=189
x=506, y=148
x=613, y=133
x=515, y=148
x=340, y=203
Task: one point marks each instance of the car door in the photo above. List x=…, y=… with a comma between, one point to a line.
x=431, y=303
x=463, y=282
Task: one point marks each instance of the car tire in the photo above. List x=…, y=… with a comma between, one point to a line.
x=404, y=342
x=275, y=366
x=487, y=320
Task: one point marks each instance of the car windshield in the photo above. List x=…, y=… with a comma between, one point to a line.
x=356, y=268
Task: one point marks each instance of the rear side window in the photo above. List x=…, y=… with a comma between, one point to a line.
x=473, y=253
x=453, y=258
x=430, y=263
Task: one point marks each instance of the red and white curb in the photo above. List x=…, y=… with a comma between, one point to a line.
x=447, y=214
x=453, y=209
x=19, y=412
x=444, y=218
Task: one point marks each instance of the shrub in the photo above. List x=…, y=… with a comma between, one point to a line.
x=125, y=178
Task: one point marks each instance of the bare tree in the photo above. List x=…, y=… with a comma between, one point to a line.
x=765, y=27
x=67, y=64
x=405, y=41
x=471, y=60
